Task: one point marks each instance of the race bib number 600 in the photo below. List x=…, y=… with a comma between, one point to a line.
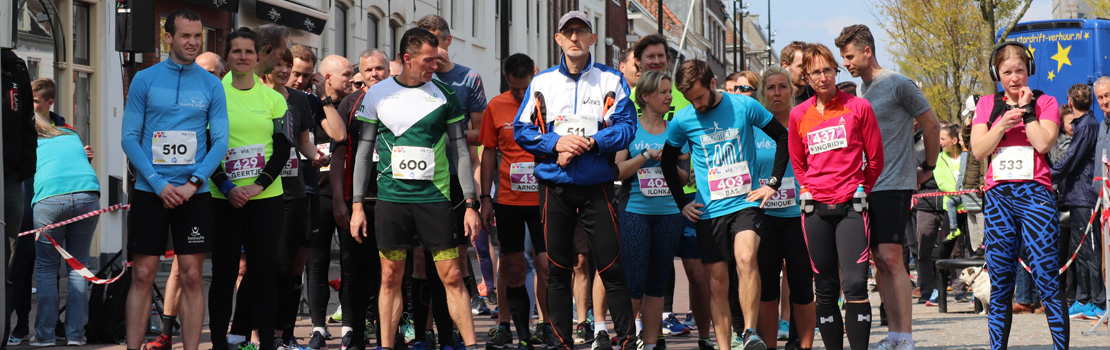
x=576, y=124
x=413, y=163
x=174, y=147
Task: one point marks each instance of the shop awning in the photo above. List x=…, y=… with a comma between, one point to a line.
x=224, y=5
x=291, y=15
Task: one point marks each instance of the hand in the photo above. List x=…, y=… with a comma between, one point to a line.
x=89, y=152
x=238, y=197
x=487, y=214
x=170, y=197
x=656, y=154
x=1009, y=120
x=572, y=144
x=471, y=223
x=186, y=191
x=761, y=194
x=339, y=212
x=564, y=159
x=1025, y=96
x=922, y=176
x=358, y=222
x=321, y=159
x=691, y=211
x=318, y=81
x=443, y=59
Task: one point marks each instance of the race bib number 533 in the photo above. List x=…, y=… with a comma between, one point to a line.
x=1012, y=163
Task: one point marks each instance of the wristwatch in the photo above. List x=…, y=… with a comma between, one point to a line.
x=773, y=182
x=473, y=205
x=327, y=101
x=196, y=181
x=926, y=167
x=644, y=153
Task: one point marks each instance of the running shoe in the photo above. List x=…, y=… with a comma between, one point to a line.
x=550, y=340
x=418, y=346
x=292, y=344
x=1076, y=310
x=792, y=345
x=1094, y=313
x=884, y=344
x=491, y=297
x=406, y=329
x=584, y=333
x=346, y=342
x=318, y=341
x=736, y=341
x=590, y=315
x=246, y=346
x=456, y=339
x=337, y=317
x=39, y=343
x=495, y=314
x=690, y=322
x=162, y=342
x=752, y=341
x=478, y=306
x=280, y=344
x=536, y=337
x=501, y=338
x=430, y=338
x=372, y=329
x=706, y=344
x=905, y=345
x=14, y=340
x=784, y=330
x=933, y=298
x=601, y=341
x=671, y=326
x=77, y=342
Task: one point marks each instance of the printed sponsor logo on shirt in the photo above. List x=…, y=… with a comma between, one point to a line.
x=195, y=102
x=195, y=237
x=720, y=136
x=588, y=101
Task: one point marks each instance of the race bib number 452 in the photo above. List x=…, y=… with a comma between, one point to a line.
x=174, y=147
x=576, y=124
x=827, y=139
x=1012, y=163
x=413, y=163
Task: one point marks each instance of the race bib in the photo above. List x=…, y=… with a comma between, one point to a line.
x=827, y=139
x=174, y=147
x=652, y=183
x=413, y=163
x=729, y=181
x=576, y=124
x=1012, y=163
x=787, y=195
x=245, y=161
x=292, y=166
x=522, y=177
x=326, y=148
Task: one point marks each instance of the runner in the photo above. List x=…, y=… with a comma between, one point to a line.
x=517, y=208
x=898, y=102
x=573, y=140
x=650, y=225
x=791, y=59
x=358, y=291
x=731, y=213
x=826, y=153
x=1015, y=129
x=247, y=205
x=414, y=183
x=171, y=196
x=743, y=83
x=782, y=238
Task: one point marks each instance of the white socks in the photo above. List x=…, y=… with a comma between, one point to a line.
x=639, y=326
x=897, y=336
x=600, y=327
x=322, y=330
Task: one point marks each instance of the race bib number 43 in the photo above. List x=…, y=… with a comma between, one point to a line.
x=576, y=124
x=174, y=147
x=652, y=183
x=413, y=163
x=1012, y=163
x=827, y=139
x=245, y=161
x=729, y=181
x=522, y=177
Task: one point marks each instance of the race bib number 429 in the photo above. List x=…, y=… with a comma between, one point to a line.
x=245, y=161
x=827, y=139
x=174, y=147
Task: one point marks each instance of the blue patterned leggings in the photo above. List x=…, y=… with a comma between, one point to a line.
x=1021, y=218
x=648, y=244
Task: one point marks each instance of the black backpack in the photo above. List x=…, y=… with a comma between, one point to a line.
x=107, y=306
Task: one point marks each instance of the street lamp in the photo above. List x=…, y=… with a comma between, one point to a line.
x=770, y=40
x=738, y=34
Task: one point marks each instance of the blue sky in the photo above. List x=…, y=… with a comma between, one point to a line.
x=821, y=21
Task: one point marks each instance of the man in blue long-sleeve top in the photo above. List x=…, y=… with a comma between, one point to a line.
x=1074, y=174
x=175, y=133
x=574, y=118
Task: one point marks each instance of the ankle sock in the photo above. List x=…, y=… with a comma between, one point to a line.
x=168, y=324
x=600, y=327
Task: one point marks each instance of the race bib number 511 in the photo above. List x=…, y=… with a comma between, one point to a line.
x=576, y=124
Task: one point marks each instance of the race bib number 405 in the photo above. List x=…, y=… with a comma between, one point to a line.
x=522, y=177
x=413, y=163
x=785, y=197
x=729, y=181
x=576, y=124
x=293, y=166
x=245, y=161
x=652, y=183
x=1012, y=163
x=827, y=139
x=174, y=147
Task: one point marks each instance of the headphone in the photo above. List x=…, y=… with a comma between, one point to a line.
x=1029, y=64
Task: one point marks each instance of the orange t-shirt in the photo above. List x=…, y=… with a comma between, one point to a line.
x=516, y=183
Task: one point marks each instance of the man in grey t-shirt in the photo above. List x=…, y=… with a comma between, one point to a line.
x=897, y=102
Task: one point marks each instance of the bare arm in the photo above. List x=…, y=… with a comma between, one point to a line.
x=1042, y=134
x=305, y=146
x=473, y=129
x=629, y=164
x=930, y=129
x=333, y=124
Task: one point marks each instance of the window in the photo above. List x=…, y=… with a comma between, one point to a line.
x=372, y=32
x=395, y=28
x=81, y=33
x=474, y=19
x=456, y=7
x=341, y=30
x=82, y=104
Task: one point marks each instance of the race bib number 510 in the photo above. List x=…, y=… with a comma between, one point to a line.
x=174, y=147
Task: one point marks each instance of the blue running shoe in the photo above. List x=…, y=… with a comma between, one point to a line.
x=752, y=341
x=671, y=326
x=1094, y=313
x=1076, y=310
x=784, y=330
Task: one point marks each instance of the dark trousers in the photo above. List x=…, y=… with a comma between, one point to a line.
x=361, y=276
x=1089, y=286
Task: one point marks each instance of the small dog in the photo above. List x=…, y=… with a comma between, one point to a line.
x=979, y=282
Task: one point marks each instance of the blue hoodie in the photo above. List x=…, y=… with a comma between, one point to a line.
x=173, y=97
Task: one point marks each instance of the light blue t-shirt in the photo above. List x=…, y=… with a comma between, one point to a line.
x=648, y=192
x=722, y=148
x=783, y=204
x=62, y=167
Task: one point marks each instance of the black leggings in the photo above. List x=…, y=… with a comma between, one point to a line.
x=251, y=229
x=361, y=275
x=782, y=239
x=292, y=233
x=319, y=261
x=838, y=245
x=563, y=207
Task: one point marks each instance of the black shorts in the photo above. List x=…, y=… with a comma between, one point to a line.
x=148, y=223
x=715, y=235
x=889, y=212
x=457, y=206
x=511, y=223
x=398, y=225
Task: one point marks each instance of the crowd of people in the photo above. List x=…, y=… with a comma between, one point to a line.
x=786, y=195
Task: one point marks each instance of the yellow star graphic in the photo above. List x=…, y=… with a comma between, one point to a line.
x=1033, y=52
x=1061, y=56
x=1086, y=35
x=1051, y=75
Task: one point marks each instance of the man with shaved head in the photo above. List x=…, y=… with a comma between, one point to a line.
x=272, y=41
x=212, y=63
x=337, y=77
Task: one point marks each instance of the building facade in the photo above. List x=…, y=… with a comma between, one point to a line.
x=1071, y=9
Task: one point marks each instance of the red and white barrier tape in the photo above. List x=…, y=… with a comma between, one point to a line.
x=941, y=194
x=76, y=265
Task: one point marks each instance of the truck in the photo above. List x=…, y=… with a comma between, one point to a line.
x=1066, y=52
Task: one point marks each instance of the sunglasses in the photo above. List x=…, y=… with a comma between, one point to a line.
x=744, y=88
x=359, y=84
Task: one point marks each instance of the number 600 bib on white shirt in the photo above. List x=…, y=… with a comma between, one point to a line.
x=413, y=163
